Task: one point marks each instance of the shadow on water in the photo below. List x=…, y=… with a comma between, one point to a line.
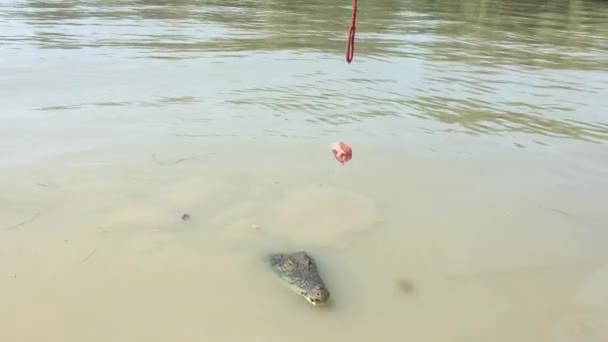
x=487, y=66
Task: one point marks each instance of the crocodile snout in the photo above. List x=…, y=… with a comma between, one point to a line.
x=317, y=296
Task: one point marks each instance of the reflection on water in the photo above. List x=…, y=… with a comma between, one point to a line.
x=475, y=66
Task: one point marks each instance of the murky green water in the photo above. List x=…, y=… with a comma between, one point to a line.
x=520, y=72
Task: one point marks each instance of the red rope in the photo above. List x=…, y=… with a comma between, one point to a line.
x=350, y=48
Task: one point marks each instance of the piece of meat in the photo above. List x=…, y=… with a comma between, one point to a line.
x=342, y=152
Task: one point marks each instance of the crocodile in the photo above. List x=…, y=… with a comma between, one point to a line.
x=301, y=274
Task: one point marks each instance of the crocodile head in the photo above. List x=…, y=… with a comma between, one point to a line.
x=301, y=275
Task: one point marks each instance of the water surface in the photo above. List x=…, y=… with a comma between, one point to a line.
x=473, y=209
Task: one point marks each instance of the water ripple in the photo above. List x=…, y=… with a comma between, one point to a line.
x=483, y=67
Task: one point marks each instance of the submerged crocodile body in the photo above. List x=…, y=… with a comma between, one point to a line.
x=300, y=272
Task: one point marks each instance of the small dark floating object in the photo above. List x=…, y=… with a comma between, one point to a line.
x=406, y=286
x=185, y=217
